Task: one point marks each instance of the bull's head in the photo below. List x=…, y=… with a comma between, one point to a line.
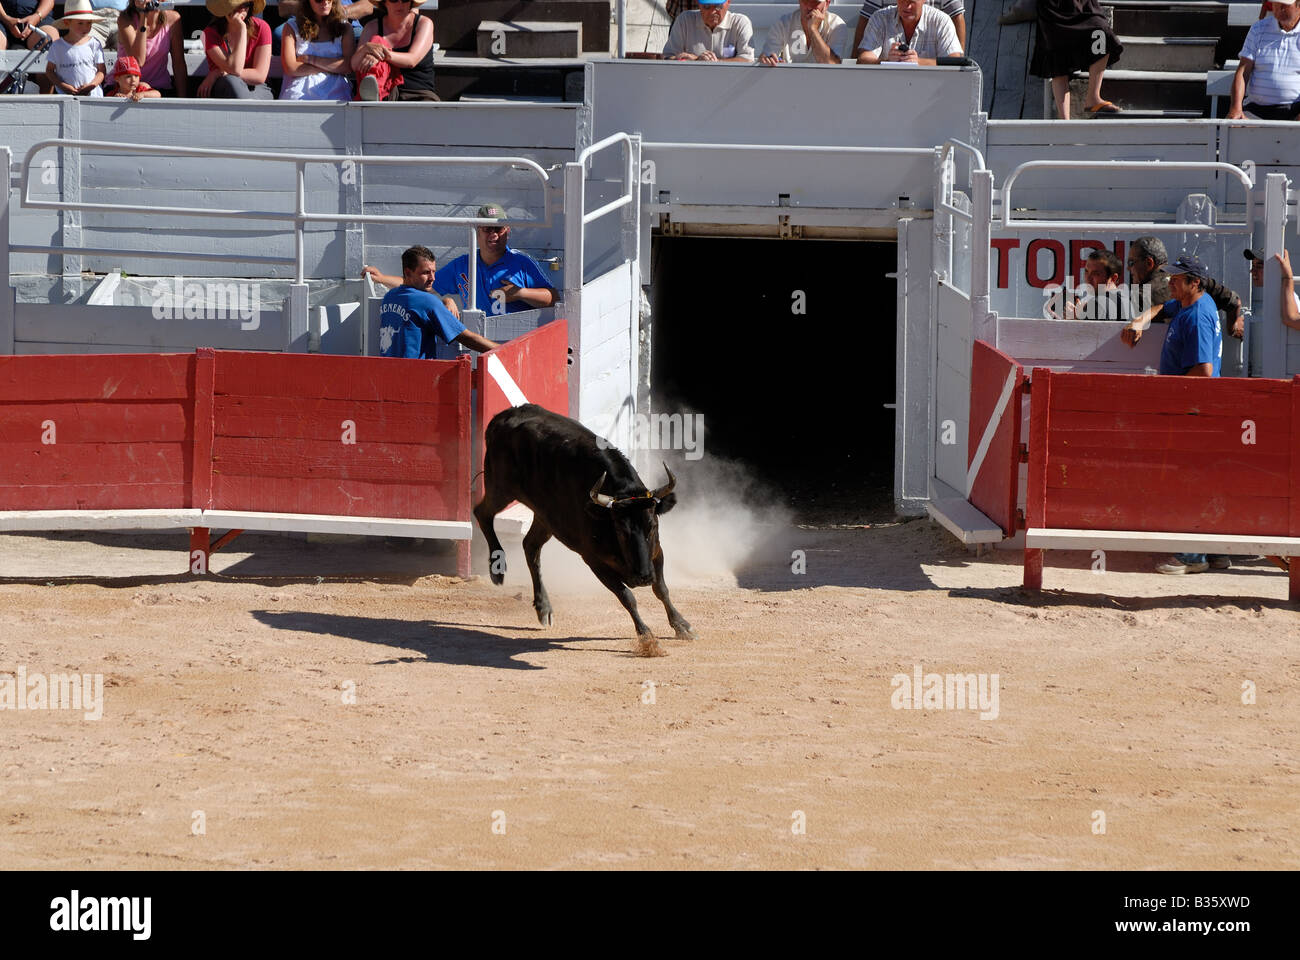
x=636, y=526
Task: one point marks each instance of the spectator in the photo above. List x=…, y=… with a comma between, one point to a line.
x=151, y=36
x=353, y=13
x=508, y=281
x=911, y=32
x=1291, y=304
x=1193, y=347
x=24, y=21
x=810, y=34
x=411, y=317
x=955, y=9
x=396, y=51
x=75, y=64
x=317, y=60
x=713, y=33
x=1146, y=264
x=1102, y=298
x=238, y=47
x=1269, y=73
x=126, y=74
x=1074, y=35
x=105, y=28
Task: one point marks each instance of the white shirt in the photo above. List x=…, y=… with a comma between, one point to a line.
x=733, y=38
x=786, y=39
x=934, y=37
x=954, y=8
x=77, y=64
x=1275, y=81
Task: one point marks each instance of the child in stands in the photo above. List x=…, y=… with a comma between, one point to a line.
x=75, y=64
x=129, y=84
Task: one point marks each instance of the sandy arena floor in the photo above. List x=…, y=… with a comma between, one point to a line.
x=1119, y=693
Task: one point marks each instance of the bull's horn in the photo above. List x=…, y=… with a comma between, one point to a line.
x=665, y=490
x=598, y=498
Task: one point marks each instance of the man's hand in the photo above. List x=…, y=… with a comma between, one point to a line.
x=1238, y=328
x=1284, y=258
x=769, y=60
x=1236, y=113
x=686, y=56
x=511, y=291
x=902, y=56
x=451, y=306
x=708, y=55
x=811, y=21
x=1131, y=335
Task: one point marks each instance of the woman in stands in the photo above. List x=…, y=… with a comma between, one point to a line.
x=316, y=53
x=395, y=58
x=238, y=47
x=1074, y=35
x=151, y=36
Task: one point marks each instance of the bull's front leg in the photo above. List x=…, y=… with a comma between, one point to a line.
x=534, y=540
x=675, y=620
x=649, y=646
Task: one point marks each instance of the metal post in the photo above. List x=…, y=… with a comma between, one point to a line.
x=574, y=210
x=1271, y=330
x=300, y=208
x=984, y=323
x=472, y=302
x=622, y=29
x=7, y=293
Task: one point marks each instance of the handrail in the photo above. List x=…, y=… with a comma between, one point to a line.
x=942, y=202
x=784, y=147
x=629, y=181
x=299, y=216
x=974, y=151
x=1009, y=223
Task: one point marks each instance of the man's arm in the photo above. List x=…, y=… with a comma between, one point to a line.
x=1290, y=310
x=1133, y=332
x=1200, y=370
x=533, y=296
x=386, y=279
x=1244, y=69
x=1226, y=299
x=959, y=24
x=475, y=342
x=826, y=51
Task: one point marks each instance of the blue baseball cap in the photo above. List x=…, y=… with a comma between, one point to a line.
x=711, y=3
x=1189, y=265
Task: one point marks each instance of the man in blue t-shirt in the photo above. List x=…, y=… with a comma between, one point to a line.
x=1193, y=348
x=411, y=317
x=508, y=281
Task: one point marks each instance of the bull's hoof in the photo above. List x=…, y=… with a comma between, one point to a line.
x=686, y=633
x=545, y=618
x=648, y=646
x=498, y=578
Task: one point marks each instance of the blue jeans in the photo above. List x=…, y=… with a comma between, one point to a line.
x=1190, y=558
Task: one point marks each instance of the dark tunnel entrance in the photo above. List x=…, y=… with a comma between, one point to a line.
x=799, y=398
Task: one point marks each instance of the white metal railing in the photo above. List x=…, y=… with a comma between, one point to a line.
x=299, y=216
x=576, y=200
x=944, y=200
x=1152, y=166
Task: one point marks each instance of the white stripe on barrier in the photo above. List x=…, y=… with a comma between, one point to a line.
x=989, y=429
x=497, y=371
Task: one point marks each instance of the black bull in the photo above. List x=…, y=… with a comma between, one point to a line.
x=549, y=463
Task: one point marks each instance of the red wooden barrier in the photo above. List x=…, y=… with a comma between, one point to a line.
x=96, y=432
x=1179, y=455
x=993, y=444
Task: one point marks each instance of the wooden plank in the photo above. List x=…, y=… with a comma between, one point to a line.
x=204, y=421
x=165, y=519
x=77, y=423
x=315, y=418
x=336, y=498
x=342, y=378
x=79, y=324
x=119, y=377
x=1036, y=494
x=376, y=462
x=112, y=495
x=90, y=463
x=964, y=521
x=1213, y=511
x=321, y=523
x=1192, y=396
x=1186, y=435
x=490, y=127
x=1055, y=538
x=1182, y=477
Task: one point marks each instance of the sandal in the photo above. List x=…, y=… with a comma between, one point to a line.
x=1104, y=107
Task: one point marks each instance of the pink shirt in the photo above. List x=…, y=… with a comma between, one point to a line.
x=259, y=36
x=156, y=51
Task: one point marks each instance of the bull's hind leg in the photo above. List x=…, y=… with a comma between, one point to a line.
x=675, y=620
x=494, y=501
x=649, y=646
x=534, y=540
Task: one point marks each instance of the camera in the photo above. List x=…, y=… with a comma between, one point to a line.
x=903, y=46
x=151, y=5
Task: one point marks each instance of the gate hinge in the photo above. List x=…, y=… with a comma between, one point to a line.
x=1024, y=453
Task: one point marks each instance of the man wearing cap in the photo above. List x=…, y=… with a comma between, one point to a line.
x=411, y=318
x=1267, y=82
x=809, y=34
x=911, y=32
x=1193, y=347
x=1146, y=265
x=1291, y=304
x=711, y=33
x=508, y=281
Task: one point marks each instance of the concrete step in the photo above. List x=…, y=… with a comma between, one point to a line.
x=1168, y=53
x=1168, y=19
x=529, y=39
x=1144, y=90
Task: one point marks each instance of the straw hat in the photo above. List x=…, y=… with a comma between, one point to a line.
x=77, y=10
x=224, y=8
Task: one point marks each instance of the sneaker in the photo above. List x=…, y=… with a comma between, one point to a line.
x=1220, y=563
x=1174, y=566
x=369, y=88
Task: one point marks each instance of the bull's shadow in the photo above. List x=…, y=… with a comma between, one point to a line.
x=434, y=642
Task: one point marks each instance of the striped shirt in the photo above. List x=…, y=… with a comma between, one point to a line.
x=954, y=8
x=733, y=38
x=1275, y=80
x=934, y=37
